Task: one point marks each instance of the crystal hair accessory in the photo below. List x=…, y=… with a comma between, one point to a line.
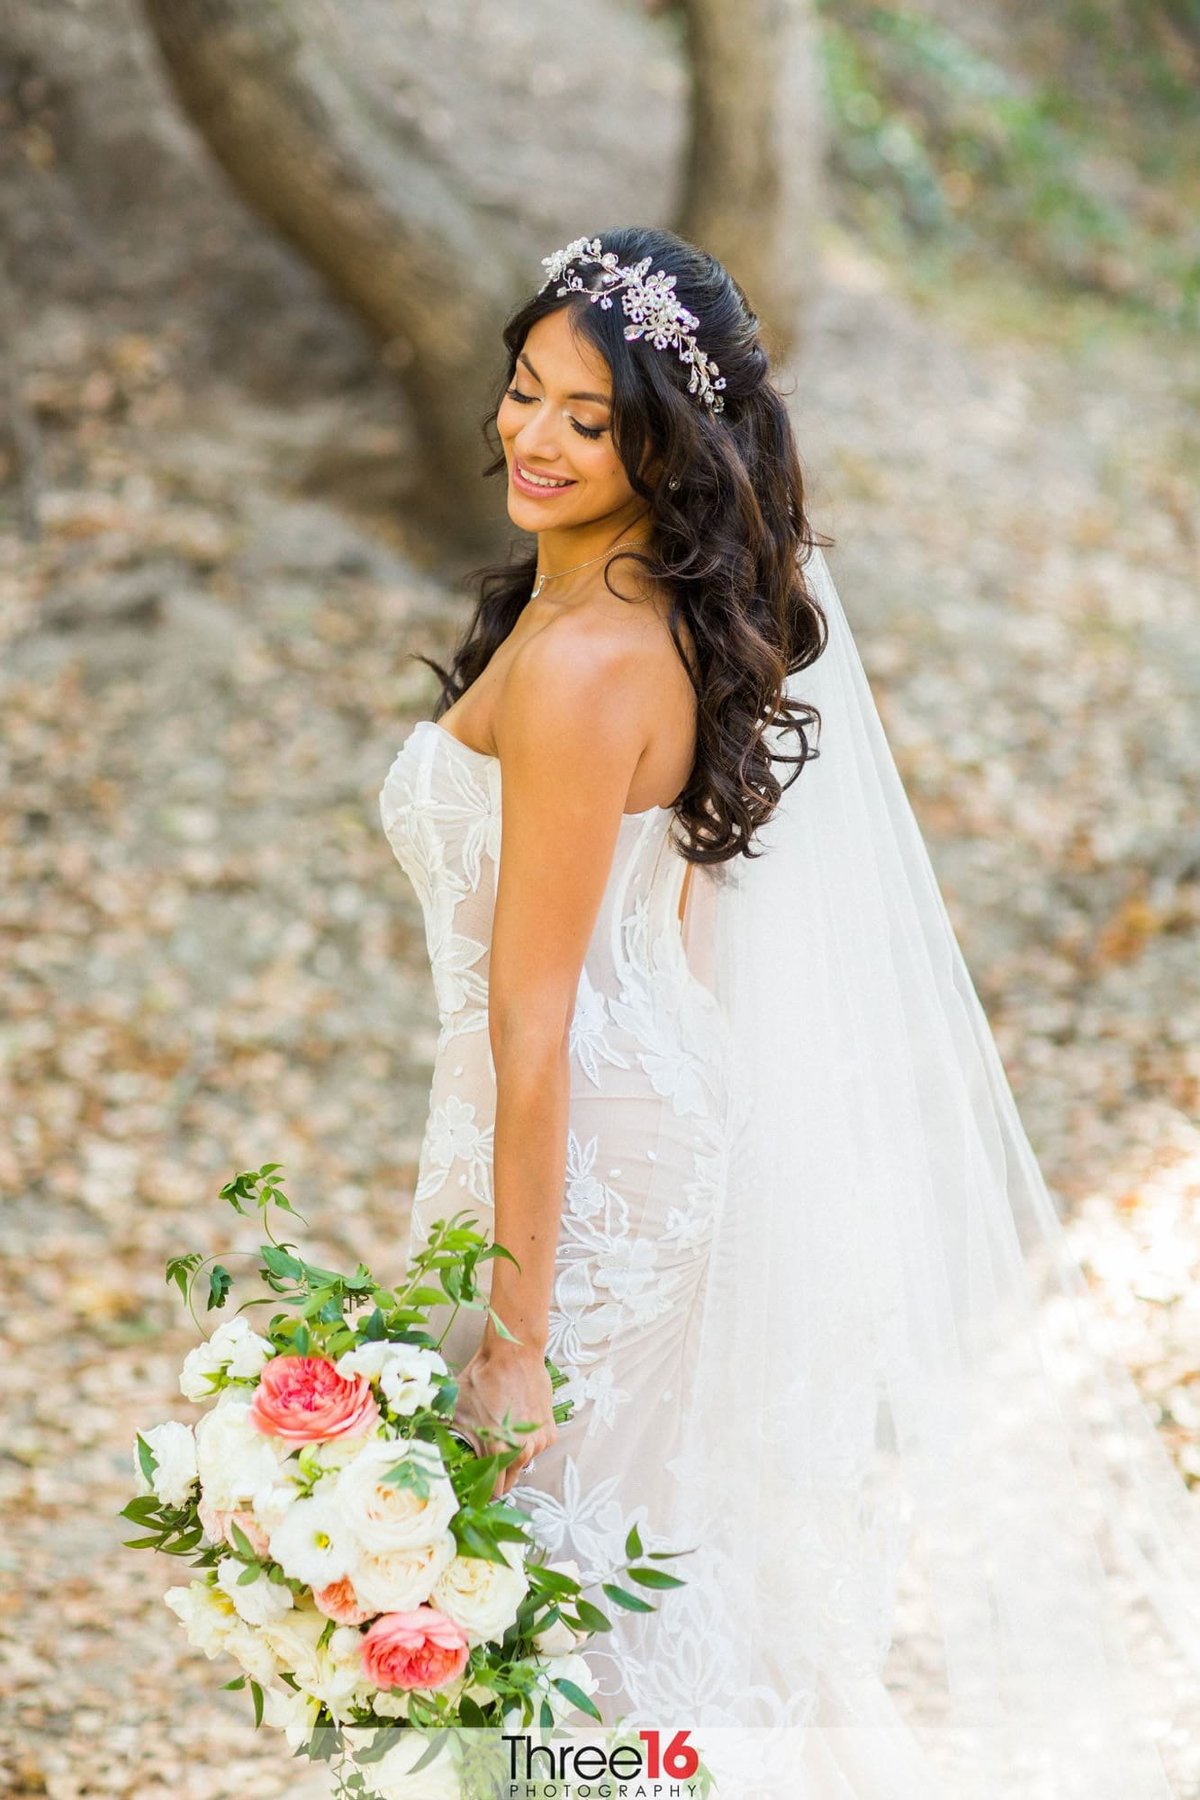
x=650, y=303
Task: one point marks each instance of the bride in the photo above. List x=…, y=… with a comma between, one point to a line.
x=711, y=1066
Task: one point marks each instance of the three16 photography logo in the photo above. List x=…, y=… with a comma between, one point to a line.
x=643, y=1765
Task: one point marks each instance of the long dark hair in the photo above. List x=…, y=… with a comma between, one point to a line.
x=728, y=544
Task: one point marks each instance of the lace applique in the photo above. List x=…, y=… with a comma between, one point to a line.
x=589, y=1044
x=662, y=1006
x=454, y=1135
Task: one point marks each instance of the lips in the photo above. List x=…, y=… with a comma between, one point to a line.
x=536, y=490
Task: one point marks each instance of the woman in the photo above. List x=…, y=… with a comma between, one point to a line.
x=711, y=1066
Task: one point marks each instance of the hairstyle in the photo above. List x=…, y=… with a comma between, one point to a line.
x=727, y=544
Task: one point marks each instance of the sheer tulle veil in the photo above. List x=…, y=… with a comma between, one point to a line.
x=937, y=1539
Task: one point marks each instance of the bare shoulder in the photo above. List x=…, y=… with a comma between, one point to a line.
x=586, y=671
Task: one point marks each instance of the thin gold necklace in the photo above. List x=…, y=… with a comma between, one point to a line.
x=611, y=551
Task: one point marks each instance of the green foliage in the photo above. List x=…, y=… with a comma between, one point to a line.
x=323, y=1312
x=1049, y=159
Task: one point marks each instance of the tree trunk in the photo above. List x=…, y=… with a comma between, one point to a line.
x=752, y=194
x=310, y=148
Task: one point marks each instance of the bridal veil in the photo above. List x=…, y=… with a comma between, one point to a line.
x=939, y=1547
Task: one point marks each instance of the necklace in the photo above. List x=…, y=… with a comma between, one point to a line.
x=612, y=551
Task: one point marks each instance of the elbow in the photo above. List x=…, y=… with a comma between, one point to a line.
x=533, y=1039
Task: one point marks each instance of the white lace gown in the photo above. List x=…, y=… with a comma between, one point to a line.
x=655, y=1126
x=650, y=1132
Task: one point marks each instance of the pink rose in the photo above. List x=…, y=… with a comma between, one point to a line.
x=218, y=1527
x=339, y=1601
x=422, y=1649
x=303, y=1399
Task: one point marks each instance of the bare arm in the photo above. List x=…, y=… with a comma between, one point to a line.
x=570, y=728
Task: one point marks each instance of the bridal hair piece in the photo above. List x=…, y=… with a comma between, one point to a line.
x=649, y=302
x=939, y=1548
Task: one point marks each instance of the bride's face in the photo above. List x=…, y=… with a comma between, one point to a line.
x=555, y=422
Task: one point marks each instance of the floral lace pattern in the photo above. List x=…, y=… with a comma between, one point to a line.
x=647, y=1153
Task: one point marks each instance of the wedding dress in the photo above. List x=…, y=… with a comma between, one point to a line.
x=819, y=1321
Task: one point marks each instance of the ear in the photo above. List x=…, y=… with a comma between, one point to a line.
x=652, y=470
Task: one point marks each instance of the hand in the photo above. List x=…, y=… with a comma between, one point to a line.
x=500, y=1377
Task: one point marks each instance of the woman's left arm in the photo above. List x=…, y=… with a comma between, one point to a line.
x=570, y=728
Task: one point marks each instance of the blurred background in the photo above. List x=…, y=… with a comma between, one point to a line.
x=255, y=259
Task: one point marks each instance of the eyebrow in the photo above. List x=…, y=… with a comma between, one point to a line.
x=601, y=399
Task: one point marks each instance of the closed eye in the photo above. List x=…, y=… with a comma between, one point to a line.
x=587, y=431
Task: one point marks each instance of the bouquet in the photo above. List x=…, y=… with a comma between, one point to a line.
x=389, y=1614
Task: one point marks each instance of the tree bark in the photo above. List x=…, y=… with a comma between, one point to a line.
x=317, y=155
x=753, y=184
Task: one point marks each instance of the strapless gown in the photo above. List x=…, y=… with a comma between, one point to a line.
x=652, y=1123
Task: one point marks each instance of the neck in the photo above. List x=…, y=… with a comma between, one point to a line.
x=564, y=547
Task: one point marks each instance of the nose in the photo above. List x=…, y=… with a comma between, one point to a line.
x=538, y=439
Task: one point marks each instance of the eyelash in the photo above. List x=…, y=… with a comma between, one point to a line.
x=587, y=431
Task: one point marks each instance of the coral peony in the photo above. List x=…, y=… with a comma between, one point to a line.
x=302, y=1399
x=421, y=1649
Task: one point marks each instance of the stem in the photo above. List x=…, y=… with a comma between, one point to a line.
x=216, y=1256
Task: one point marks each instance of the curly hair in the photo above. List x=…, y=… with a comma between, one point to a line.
x=727, y=544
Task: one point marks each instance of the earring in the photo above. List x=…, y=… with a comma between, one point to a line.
x=673, y=482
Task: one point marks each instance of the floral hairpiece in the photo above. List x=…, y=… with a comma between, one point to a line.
x=650, y=303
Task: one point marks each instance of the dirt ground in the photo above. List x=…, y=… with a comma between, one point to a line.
x=210, y=958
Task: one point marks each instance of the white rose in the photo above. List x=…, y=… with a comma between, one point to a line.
x=251, y=1652
x=292, y=1713
x=332, y=1454
x=234, y=1347
x=174, y=1447
x=249, y=1353
x=207, y=1616
x=391, y=1778
x=570, y=1668
x=384, y=1516
x=259, y=1602
x=272, y=1504
x=338, y=1677
x=406, y=1373
x=390, y=1706
x=399, y=1580
x=311, y=1543
x=481, y=1596
x=294, y=1641
x=235, y=1461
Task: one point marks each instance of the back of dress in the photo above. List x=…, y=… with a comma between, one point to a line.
x=650, y=1129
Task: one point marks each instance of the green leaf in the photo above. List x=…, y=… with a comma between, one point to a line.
x=219, y=1283
x=280, y=1262
x=619, y=1597
x=655, y=1578
x=577, y=1697
x=633, y=1543
x=180, y=1268
x=239, y=1681
x=425, y=1296
x=147, y=1461
x=245, y=1547
x=187, y=1542
x=144, y=1543
x=436, y=1740
x=590, y=1617
x=256, y=1690
x=501, y=1327
x=139, y=1511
